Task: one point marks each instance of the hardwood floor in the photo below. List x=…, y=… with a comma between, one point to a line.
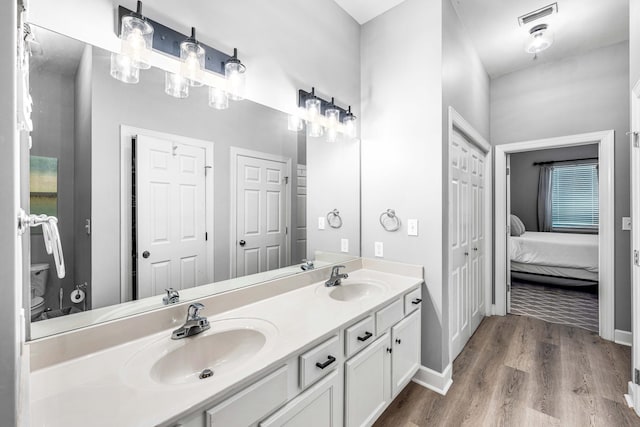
x=521, y=371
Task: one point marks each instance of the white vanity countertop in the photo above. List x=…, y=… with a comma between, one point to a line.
x=93, y=390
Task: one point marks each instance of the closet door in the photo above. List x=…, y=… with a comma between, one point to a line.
x=466, y=240
x=459, y=195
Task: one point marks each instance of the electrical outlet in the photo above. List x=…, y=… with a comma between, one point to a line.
x=412, y=227
x=378, y=249
x=321, y=223
x=626, y=223
x=344, y=245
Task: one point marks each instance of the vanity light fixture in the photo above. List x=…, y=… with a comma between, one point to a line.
x=235, y=72
x=218, y=98
x=136, y=34
x=540, y=39
x=332, y=115
x=122, y=69
x=313, y=107
x=349, y=121
x=176, y=85
x=192, y=57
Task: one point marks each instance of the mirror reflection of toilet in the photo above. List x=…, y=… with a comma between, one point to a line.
x=39, y=277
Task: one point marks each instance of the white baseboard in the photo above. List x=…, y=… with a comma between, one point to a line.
x=623, y=337
x=629, y=396
x=435, y=381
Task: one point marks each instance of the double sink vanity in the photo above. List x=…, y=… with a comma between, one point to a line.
x=292, y=351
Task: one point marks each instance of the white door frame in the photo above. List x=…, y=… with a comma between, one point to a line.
x=235, y=152
x=126, y=133
x=456, y=121
x=634, y=391
x=605, y=141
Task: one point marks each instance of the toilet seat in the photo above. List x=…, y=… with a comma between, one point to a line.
x=37, y=302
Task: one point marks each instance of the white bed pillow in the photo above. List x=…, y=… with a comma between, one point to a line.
x=517, y=226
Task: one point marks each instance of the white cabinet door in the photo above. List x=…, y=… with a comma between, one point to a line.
x=368, y=383
x=319, y=406
x=405, y=359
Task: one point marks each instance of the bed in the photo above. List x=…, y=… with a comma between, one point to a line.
x=555, y=258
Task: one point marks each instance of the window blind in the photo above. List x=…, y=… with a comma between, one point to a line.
x=574, y=199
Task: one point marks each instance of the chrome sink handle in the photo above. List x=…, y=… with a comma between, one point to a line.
x=193, y=312
x=194, y=324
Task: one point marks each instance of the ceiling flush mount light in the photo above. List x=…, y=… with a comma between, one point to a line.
x=192, y=56
x=235, y=72
x=540, y=39
x=136, y=34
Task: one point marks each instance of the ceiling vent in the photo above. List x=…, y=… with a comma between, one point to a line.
x=538, y=14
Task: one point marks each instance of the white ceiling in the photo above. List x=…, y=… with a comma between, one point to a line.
x=365, y=10
x=579, y=26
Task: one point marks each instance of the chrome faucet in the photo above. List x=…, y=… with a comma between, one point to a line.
x=172, y=297
x=336, y=276
x=307, y=265
x=194, y=325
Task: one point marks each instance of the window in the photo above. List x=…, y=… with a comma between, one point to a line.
x=574, y=199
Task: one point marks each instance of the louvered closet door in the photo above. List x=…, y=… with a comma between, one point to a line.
x=466, y=240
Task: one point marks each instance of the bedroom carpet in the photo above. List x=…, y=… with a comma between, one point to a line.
x=565, y=306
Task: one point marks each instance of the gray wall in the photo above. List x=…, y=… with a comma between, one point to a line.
x=53, y=136
x=579, y=94
x=11, y=364
x=634, y=41
x=524, y=178
x=145, y=105
x=82, y=167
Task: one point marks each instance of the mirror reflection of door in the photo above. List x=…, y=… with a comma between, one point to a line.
x=262, y=213
x=171, y=242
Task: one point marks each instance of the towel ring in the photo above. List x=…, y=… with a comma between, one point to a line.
x=334, y=219
x=389, y=220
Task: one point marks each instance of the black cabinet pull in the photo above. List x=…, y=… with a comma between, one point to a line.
x=389, y=350
x=330, y=360
x=416, y=301
x=398, y=341
x=365, y=337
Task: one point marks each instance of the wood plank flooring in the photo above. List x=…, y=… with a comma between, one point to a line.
x=521, y=371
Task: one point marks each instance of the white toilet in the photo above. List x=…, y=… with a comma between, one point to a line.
x=39, y=277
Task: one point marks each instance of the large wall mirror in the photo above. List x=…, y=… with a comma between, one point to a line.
x=154, y=192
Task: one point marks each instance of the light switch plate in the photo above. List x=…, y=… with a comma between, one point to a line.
x=626, y=223
x=378, y=249
x=412, y=227
x=344, y=245
x=320, y=223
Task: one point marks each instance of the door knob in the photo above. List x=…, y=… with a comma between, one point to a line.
x=242, y=242
x=145, y=254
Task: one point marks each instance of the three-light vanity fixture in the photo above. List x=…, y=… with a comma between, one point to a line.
x=322, y=118
x=139, y=35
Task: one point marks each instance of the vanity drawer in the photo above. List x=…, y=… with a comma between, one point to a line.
x=319, y=361
x=412, y=301
x=252, y=404
x=389, y=316
x=359, y=335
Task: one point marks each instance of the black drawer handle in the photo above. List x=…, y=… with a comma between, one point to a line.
x=365, y=337
x=398, y=341
x=330, y=360
x=416, y=301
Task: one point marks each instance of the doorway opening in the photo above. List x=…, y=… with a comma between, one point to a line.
x=599, y=167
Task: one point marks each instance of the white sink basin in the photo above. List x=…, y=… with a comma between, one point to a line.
x=352, y=290
x=227, y=346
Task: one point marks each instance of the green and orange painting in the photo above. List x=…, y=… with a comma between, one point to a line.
x=43, y=185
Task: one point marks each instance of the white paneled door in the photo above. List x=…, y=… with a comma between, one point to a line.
x=171, y=209
x=261, y=223
x=466, y=240
x=301, y=216
x=634, y=387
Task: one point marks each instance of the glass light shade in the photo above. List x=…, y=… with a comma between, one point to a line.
x=350, y=128
x=218, y=98
x=235, y=73
x=192, y=56
x=295, y=123
x=333, y=119
x=122, y=69
x=314, y=129
x=176, y=85
x=314, y=108
x=137, y=38
x=539, y=41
